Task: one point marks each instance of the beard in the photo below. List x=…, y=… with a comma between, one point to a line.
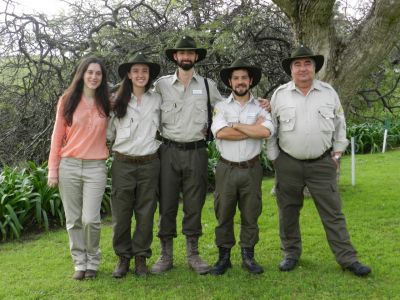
x=240, y=92
x=185, y=65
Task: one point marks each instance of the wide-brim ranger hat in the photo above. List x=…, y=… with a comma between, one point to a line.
x=139, y=58
x=186, y=43
x=254, y=72
x=302, y=52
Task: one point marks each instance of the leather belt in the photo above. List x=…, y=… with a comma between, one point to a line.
x=184, y=146
x=242, y=164
x=135, y=159
x=323, y=155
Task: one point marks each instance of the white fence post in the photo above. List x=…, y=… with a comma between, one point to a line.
x=384, y=141
x=353, y=163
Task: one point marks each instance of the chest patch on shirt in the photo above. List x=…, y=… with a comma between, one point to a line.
x=197, y=92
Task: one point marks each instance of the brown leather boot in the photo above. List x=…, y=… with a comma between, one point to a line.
x=140, y=266
x=194, y=260
x=122, y=267
x=165, y=262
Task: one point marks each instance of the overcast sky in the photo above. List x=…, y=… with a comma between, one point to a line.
x=52, y=7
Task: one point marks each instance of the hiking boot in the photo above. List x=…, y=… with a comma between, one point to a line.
x=194, y=260
x=249, y=263
x=122, y=267
x=223, y=263
x=165, y=262
x=140, y=266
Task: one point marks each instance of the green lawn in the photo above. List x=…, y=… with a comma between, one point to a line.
x=40, y=266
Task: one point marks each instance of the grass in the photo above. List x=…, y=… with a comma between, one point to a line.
x=39, y=267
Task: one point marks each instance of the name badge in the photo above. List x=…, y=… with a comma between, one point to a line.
x=197, y=92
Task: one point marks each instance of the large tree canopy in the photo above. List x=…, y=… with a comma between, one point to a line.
x=350, y=58
x=38, y=53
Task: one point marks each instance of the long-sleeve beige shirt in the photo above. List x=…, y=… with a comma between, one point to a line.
x=307, y=126
x=135, y=133
x=230, y=111
x=184, y=110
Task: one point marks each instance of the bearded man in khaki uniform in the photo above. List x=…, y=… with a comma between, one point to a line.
x=310, y=139
x=183, y=153
x=240, y=126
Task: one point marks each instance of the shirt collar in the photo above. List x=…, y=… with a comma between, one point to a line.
x=196, y=77
x=316, y=85
x=231, y=99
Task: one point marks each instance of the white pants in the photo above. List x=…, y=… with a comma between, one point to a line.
x=82, y=184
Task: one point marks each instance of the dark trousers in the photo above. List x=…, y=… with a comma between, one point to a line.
x=240, y=187
x=134, y=191
x=320, y=178
x=182, y=171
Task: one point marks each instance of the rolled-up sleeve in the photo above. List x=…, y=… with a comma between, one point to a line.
x=219, y=120
x=268, y=122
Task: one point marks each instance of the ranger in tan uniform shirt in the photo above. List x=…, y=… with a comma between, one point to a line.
x=310, y=138
x=183, y=152
x=136, y=166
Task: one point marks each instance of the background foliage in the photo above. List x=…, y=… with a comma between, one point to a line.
x=38, y=55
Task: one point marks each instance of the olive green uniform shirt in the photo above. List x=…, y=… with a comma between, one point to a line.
x=307, y=126
x=184, y=110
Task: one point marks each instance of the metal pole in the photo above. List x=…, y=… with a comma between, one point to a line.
x=384, y=141
x=353, y=163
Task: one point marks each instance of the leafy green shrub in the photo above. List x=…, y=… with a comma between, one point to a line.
x=213, y=157
x=15, y=202
x=46, y=200
x=106, y=203
x=26, y=200
x=368, y=137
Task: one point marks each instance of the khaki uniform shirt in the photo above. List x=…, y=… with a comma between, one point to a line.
x=135, y=133
x=184, y=111
x=307, y=126
x=231, y=111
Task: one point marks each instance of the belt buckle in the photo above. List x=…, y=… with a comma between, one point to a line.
x=180, y=146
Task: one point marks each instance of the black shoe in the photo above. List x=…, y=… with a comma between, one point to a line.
x=358, y=269
x=288, y=264
x=223, y=263
x=249, y=263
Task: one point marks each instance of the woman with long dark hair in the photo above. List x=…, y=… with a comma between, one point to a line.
x=77, y=161
x=132, y=129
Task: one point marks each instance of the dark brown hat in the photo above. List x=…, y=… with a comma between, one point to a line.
x=186, y=43
x=302, y=52
x=139, y=58
x=254, y=72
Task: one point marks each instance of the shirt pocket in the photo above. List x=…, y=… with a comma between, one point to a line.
x=167, y=113
x=123, y=129
x=231, y=118
x=287, y=119
x=326, y=116
x=200, y=112
x=251, y=118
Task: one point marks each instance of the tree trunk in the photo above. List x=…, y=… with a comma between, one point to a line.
x=348, y=60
